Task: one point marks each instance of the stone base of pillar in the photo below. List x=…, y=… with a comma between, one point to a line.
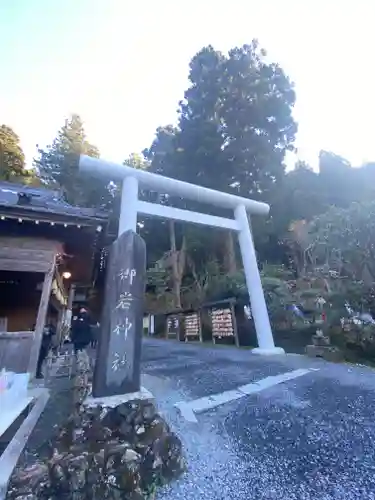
x=114, y=401
x=274, y=351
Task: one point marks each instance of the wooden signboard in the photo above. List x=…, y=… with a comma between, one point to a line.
x=193, y=330
x=224, y=324
x=173, y=327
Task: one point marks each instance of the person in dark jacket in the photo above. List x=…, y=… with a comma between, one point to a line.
x=48, y=333
x=81, y=330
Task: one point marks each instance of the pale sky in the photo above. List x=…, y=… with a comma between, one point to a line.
x=123, y=66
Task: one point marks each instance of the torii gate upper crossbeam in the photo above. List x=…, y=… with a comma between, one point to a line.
x=166, y=185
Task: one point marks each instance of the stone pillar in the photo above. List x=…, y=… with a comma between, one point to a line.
x=128, y=209
x=72, y=291
x=254, y=286
x=117, y=366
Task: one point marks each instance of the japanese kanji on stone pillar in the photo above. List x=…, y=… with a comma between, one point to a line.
x=117, y=366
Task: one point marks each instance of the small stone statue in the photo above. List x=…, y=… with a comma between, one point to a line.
x=321, y=346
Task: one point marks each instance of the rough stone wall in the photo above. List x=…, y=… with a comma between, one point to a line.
x=103, y=453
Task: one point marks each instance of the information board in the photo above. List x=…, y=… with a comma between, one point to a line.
x=173, y=326
x=222, y=323
x=192, y=325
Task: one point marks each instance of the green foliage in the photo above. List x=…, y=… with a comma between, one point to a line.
x=137, y=161
x=342, y=239
x=212, y=284
x=159, y=297
x=58, y=166
x=12, y=158
x=235, y=124
x=358, y=341
x=158, y=279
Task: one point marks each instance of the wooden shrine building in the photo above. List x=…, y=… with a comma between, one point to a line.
x=49, y=250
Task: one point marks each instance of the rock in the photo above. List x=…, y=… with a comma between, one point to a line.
x=320, y=340
x=131, y=412
x=59, y=480
x=168, y=449
x=136, y=495
x=158, y=462
x=131, y=455
x=154, y=431
x=30, y=496
x=116, y=448
x=29, y=483
x=140, y=430
x=77, y=468
x=78, y=449
x=96, y=470
x=78, y=435
x=148, y=411
x=65, y=438
x=125, y=430
x=100, y=412
x=98, y=433
x=128, y=478
x=141, y=448
x=124, y=409
x=99, y=458
x=112, y=419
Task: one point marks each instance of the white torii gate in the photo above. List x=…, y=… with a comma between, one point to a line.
x=131, y=205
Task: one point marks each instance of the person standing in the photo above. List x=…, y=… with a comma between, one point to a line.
x=81, y=330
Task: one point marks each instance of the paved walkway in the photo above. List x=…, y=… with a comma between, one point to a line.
x=252, y=434
x=56, y=412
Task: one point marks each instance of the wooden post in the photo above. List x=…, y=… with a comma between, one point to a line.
x=59, y=325
x=72, y=290
x=69, y=308
x=234, y=323
x=41, y=318
x=200, y=327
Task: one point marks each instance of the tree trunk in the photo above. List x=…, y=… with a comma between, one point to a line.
x=199, y=286
x=178, y=258
x=230, y=264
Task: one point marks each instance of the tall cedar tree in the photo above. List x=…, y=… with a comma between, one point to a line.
x=58, y=166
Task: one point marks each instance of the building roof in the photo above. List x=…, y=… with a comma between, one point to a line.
x=32, y=202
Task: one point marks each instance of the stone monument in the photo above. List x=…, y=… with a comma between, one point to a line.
x=321, y=346
x=117, y=366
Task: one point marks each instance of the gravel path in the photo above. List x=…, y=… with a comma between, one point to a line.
x=308, y=438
